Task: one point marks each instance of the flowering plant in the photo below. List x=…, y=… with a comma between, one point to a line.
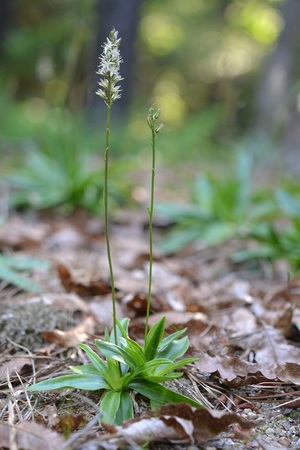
x=109, y=69
x=127, y=367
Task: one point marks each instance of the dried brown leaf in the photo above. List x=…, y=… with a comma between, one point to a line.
x=9, y=367
x=206, y=423
x=73, y=337
x=93, y=288
x=273, y=353
x=19, y=234
x=137, y=303
x=274, y=358
x=228, y=367
x=29, y=436
x=176, y=424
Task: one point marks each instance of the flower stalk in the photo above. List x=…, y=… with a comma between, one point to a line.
x=109, y=91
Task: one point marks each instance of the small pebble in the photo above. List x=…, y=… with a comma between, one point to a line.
x=270, y=431
x=283, y=441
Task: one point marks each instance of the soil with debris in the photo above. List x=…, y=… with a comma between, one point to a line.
x=241, y=321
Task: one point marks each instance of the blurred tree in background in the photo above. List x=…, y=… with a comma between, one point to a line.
x=219, y=67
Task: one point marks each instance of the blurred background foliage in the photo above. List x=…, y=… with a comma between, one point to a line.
x=199, y=61
x=204, y=63
x=225, y=74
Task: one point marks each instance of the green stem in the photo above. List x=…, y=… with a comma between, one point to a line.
x=105, y=200
x=150, y=212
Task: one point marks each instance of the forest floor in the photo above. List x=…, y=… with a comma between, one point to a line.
x=240, y=320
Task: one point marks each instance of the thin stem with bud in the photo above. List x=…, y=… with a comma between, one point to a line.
x=152, y=118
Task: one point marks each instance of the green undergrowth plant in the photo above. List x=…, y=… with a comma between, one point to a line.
x=220, y=208
x=127, y=368
x=121, y=366
x=11, y=268
x=278, y=238
x=60, y=172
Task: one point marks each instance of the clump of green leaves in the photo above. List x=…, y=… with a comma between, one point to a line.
x=128, y=367
x=219, y=210
x=279, y=237
x=60, y=171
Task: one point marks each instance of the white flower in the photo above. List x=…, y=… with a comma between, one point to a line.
x=109, y=69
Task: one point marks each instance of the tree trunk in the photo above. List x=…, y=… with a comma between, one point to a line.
x=5, y=20
x=274, y=97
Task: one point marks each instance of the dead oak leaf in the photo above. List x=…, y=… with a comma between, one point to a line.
x=137, y=303
x=29, y=436
x=12, y=365
x=288, y=372
x=85, y=290
x=73, y=337
x=206, y=423
x=275, y=357
x=228, y=367
x=177, y=424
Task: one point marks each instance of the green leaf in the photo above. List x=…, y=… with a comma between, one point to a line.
x=122, y=329
x=178, y=238
x=153, y=339
x=175, y=349
x=110, y=350
x=114, y=372
x=160, y=394
x=125, y=411
x=162, y=378
x=109, y=406
x=133, y=350
x=85, y=369
x=23, y=263
x=175, y=365
x=8, y=274
x=96, y=361
x=166, y=341
x=77, y=381
x=153, y=364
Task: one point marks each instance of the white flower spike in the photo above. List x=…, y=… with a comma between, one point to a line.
x=109, y=69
